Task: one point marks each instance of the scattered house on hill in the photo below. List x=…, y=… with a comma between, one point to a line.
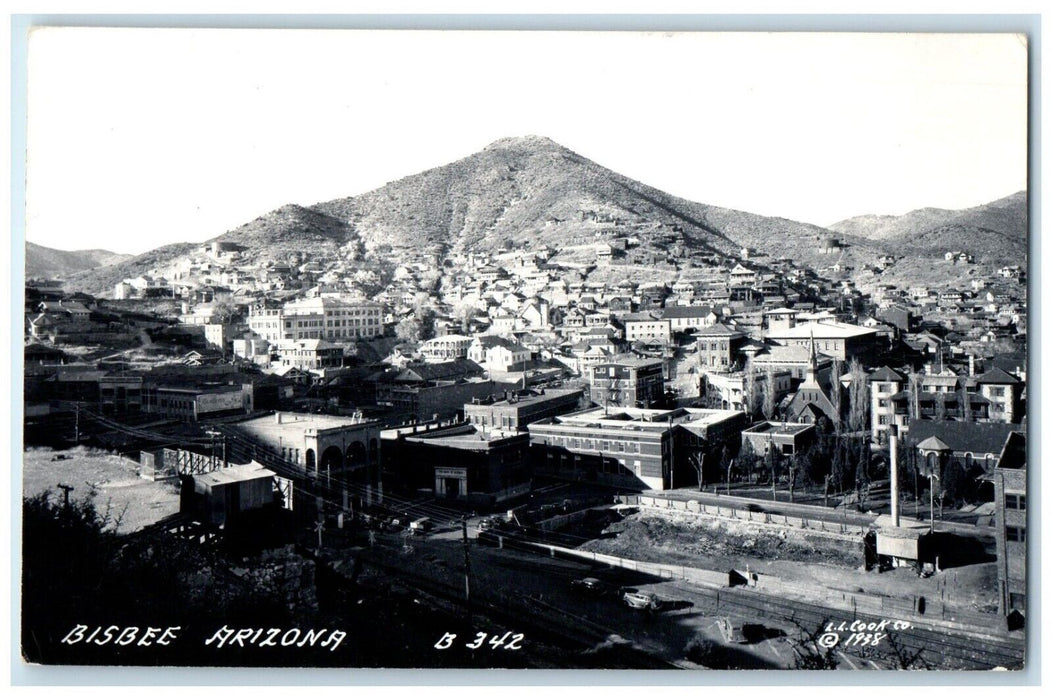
x=684, y=319
x=646, y=325
x=497, y=354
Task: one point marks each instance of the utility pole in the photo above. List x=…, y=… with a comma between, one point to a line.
x=319, y=527
x=65, y=492
x=76, y=424
x=467, y=568
x=931, y=499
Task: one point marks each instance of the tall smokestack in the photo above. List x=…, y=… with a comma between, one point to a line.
x=894, y=449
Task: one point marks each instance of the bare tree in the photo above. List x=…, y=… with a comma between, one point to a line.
x=835, y=394
x=769, y=394
x=914, y=390
x=749, y=390
x=697, y=460
x=858, y=405
x=966, y=403
x=811, y=652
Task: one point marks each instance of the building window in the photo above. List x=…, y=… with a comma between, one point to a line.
x=1015, y=534
x=1015, y=501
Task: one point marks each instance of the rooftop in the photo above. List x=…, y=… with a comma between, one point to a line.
x=823, y=329
x=286, y=424
x=235, y=474
x=960, y=436
x=768, y=428
x=643, y=419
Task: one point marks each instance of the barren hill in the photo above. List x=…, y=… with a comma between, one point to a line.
x=530, y=191
x=995, y=232
x=49, y=262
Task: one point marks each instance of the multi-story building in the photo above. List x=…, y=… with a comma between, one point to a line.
x=718, y=345
x=120, y=393
x=794, y=359
x=322, y=317
x=884, y=384
x=632, y=448
x=463, y=462
x=647, y=326
x=683, y=319
x=498, y=354
x=1009, y=480
x=311, y=355
x=627, y=381
x=189, y=402
x=267, y=322
x=1003, y=392
x=517, y=411
x=332, y=319
x=446, y=347
x=784, y=438
x=345, y=447
x=843, y=341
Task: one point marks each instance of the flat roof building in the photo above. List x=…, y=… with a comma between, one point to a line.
x=462, y=462
x=345, y=447
x=833, y=338
x=632, y=448
x=517, y=411
x=627, y=382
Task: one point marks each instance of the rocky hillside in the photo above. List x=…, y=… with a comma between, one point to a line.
x=994, y=233
x=528, y=192
x=275, y=236
x=49, y=262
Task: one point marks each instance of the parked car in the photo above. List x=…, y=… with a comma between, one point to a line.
x=484, y=524
x=421, y=525
x=640, y=600
x=588, y=586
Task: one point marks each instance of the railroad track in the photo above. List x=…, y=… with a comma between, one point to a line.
x=934, y=646
x=536, y=616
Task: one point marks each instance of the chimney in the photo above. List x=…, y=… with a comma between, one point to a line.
x=894, y=451
x=277, y=417
x=971, y=365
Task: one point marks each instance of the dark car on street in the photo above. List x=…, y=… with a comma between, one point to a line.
x=591, y=587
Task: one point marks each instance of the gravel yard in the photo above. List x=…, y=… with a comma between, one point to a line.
x=131, y=500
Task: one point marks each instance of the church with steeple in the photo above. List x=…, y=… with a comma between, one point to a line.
x=812, y=401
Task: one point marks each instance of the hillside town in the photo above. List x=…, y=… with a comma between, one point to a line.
x=881, y=429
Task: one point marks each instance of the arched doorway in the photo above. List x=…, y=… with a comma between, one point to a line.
x=312, y=460
x=331, y=459
x=355, y=454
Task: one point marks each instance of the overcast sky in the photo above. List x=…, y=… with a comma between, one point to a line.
x=141, y=137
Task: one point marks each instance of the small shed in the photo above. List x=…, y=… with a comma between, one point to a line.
x=904, y=543
x=221, y=496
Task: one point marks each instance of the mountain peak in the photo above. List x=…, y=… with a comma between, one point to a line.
x=529, y=142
